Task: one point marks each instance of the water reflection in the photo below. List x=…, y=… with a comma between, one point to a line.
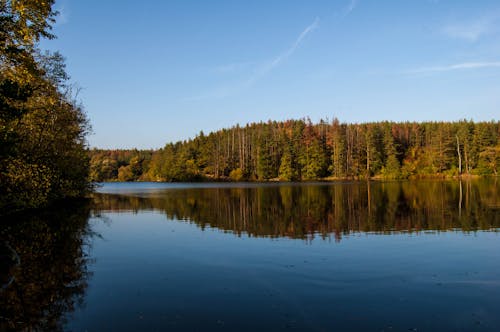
x=50, y=278
x=305, y=211
x=145, y=270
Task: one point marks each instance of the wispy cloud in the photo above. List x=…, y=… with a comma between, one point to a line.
x=259, y=71
x=269, y=66
x=63, y=14
x=350, y=7
x=469, y=32
x=458, y=66
x=472, y=30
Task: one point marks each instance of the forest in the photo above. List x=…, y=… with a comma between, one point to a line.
x=299, y=150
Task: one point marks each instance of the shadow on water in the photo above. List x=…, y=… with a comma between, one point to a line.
x=44, y=267
x=306, y=211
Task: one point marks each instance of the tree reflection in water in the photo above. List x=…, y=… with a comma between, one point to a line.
x=304, y=211
x=51, y=278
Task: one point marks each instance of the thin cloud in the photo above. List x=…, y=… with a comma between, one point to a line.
x=62, y=15
x=259, y=72
x=458, y=66
x=268, y=67
x=352, y=5
x=471, y=30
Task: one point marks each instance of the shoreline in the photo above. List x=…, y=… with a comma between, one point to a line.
x=326, y=180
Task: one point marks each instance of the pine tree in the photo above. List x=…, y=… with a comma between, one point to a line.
x=337, y=143
x=391, y=169
x=287, y=170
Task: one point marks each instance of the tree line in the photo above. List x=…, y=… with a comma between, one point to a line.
x=43, y=152
x=298, y=150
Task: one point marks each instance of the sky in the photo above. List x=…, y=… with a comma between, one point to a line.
x=153, y=72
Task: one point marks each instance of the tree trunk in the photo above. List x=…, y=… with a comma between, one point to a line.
x=459, y=157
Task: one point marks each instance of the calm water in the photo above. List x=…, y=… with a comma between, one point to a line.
x=400, y=256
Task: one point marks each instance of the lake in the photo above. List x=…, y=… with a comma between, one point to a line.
x=346, y=256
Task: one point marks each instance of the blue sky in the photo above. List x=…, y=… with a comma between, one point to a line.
x=153, y=72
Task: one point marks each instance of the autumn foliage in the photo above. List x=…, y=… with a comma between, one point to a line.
x=298, y=150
